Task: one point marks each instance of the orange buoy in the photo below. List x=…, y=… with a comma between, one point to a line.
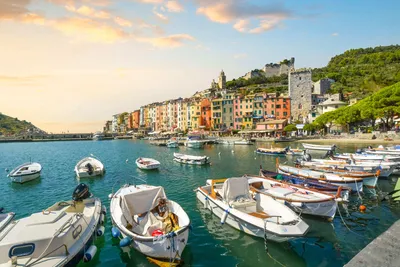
x=362, y=208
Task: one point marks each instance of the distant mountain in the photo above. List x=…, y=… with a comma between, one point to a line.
x=362, y=71
x=11, y=126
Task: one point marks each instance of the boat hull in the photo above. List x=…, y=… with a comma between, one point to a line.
x=24, y=178
x=318, y=147
x=191, y=162
x=271, y=153
x=173, y=145
x=148, y=167
x=194, y=144
x=242, y=225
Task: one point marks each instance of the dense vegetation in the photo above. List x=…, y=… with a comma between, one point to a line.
x=384, y=104
x=11, y=126
x=362, y=71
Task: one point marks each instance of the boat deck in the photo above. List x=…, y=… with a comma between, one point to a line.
x=382, y=251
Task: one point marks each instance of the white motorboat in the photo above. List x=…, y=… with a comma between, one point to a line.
x=242, y=142
x=5, y=219
x=225, y=142
x=260, y=217
x=194, y=143
x=356, y=184
x=303, y=200
x=189, y=159
x=61, y=235
x=144, y=219
x=147, y=163
x=89, y=167
x=98, y=136
x=172, y=143
x=25, y=172
x=319, y=147
x=367, y=157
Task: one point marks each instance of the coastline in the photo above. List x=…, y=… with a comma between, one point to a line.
x=348, y=140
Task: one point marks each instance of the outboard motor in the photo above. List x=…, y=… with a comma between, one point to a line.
x=90, y=168
x=328, y=154
x=81, y=192
x=306, y=156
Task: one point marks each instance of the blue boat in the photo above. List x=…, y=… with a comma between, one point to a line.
x=272, y=151
x=309, y=183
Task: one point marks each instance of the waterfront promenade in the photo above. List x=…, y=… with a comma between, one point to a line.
x=382, y=251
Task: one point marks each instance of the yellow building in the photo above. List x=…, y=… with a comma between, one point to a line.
x=247, y=109
x=195, y=112
x=216, y=114
x=182, y=107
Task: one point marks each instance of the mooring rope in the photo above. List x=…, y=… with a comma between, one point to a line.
x=346, y=224
x=266, y=245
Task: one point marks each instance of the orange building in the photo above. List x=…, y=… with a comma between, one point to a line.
x=205, y=119
x=276, y=107
x=135, y=119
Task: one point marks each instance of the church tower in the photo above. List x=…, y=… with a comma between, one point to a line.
x=222, y=81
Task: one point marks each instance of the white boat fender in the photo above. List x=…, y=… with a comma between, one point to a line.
x=100, y=231
x=297, y=204
x=110, y=196
x=104, y=210
x=102, y=219
x=115, y=232
x=206, y=202
x=125, y=242
x=225, y=215
x=89, y=254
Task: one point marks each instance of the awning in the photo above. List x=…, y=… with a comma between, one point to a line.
x=257, y=131
x=300, y=126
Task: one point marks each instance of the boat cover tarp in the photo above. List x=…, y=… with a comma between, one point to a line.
x=235, y=187
x=141, y=201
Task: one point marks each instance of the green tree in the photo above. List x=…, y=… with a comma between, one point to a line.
x=290, y=128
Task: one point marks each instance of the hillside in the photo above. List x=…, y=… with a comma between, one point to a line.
x=11, y=126
x=362, y=71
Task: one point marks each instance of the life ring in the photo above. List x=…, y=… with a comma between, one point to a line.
x=45, y=212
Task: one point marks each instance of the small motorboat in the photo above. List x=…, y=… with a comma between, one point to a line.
x=25, y=172
x=146, y=220
x=272, y=151
x=89, y=167
x=147, y=163
x=320, y=186
x=303, y=200
x=193, y=160
x=194, y=141
x=243, y=142
x=260, y=216
x=367, y=157
x=172, y=143
x=61, y=235
x=319, y=147
x=5, y=219
x=98, y=136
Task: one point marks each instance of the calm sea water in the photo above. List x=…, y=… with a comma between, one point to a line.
x=210, y=244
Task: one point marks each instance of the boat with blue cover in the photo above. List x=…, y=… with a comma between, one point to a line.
x=308, y=183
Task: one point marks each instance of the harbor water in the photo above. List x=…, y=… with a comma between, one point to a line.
x=210, y=244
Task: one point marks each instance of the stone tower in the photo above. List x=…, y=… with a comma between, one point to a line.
x=300, y=93
x=222, y=81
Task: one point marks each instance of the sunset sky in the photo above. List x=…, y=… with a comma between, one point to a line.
x=69, y=65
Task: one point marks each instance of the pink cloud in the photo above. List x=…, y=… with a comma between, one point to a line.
x=174, y=6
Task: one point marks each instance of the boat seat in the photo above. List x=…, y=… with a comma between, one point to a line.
x=259, y=214
x=243, y=203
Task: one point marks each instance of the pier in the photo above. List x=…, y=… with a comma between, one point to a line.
x=382, y=251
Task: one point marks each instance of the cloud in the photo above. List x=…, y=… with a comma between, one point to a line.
x=89, y=30
x=122, y=22
x=21, y=80
x=10, y=9
x=174, y=6
x=241, y=14
x=238, y=56
x=159, y=15
x=89, y=12
x=335, y=34
x=102, y=3
x=171, y=41
x=150, y=1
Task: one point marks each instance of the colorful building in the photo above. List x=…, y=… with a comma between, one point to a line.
x=227, y=111
x=205, y=116
x=135, y=119
x=216, y=114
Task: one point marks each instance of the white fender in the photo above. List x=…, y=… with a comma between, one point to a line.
x=89, y=254
x=104, y=210
x=206, y=202
x=225, y=216
x=101, y=220
x=100, y=231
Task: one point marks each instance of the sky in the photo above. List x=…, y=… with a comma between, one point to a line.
x=69, y=65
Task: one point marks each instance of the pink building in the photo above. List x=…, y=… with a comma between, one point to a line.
x=237, y=112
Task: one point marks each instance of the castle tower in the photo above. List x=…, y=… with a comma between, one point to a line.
x=300, y=93
x=222, y=81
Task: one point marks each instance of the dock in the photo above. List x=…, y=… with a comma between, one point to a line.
x=382, y=251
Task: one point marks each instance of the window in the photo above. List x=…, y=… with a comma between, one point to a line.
x=240, y=106
x=240, y=113
x=230, y=110
x=236, y=107
x=236, y=101
x=284, y=100
x=247, y=106
x=251, y=106
x=272, y=106
x=285, y=113
x=272, y=112
x=300, y=78
x=224, y=110
x=278, y=106
x=284, y=106
x=247, y=100
x=313, y=114
x=21, y=250
x=259, y=112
